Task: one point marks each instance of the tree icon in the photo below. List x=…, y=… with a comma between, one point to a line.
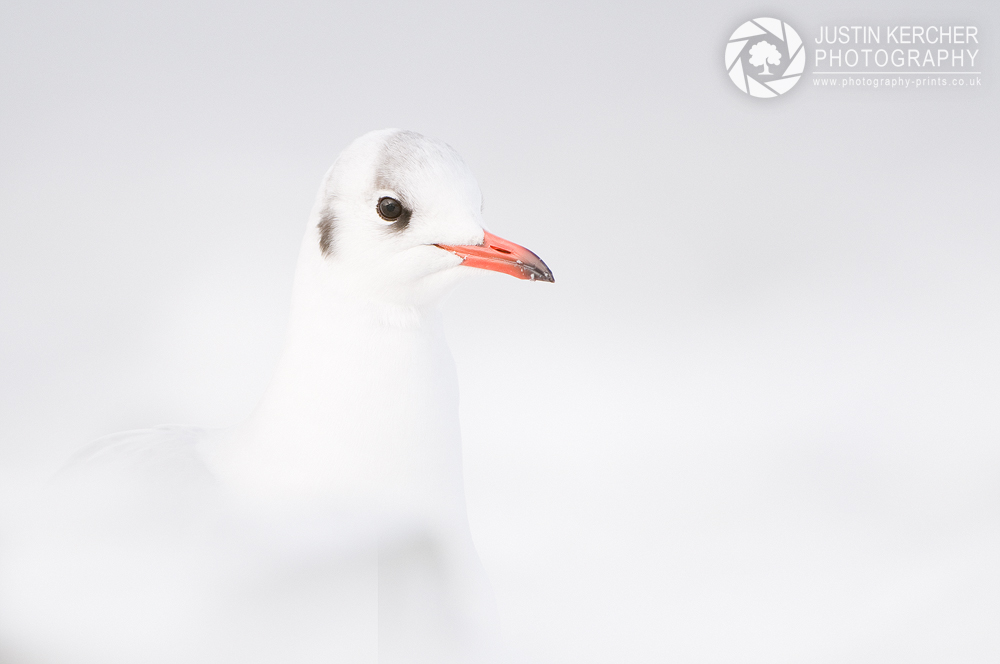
x=762, y=53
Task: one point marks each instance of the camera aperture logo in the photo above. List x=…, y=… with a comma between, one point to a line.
x=765, y=57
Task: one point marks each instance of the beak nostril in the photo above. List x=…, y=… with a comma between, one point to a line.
x=500, y=249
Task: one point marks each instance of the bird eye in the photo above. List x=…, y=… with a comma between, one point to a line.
x=389, y=208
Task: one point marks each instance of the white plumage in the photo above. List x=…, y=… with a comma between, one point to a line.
x=331, y=525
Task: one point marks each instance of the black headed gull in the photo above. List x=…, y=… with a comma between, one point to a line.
x=363, y=405
x=337, y=526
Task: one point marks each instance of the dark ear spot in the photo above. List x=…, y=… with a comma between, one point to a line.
x=327, y=223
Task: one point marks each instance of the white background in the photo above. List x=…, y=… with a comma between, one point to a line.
x=755, y=419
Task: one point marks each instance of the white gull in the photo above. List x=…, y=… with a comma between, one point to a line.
x=343, y=490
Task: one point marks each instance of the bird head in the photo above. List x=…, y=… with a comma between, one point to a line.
x=398, y=218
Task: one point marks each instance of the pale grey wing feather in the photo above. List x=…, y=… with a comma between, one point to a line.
x=163, y=447
x=140, y=476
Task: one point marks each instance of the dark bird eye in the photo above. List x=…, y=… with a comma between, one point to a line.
x=389, y=208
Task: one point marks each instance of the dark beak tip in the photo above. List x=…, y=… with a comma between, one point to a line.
x=540, y=273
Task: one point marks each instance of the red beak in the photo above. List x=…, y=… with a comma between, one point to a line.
x=500, y=255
